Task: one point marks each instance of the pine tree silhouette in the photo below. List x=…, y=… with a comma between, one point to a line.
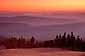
x=32, y=41
x=64, y=40
x=72, y=40
x=60, y=41
x=68, y=40
x=56, y=41
x=78, y=42
x=21, y=42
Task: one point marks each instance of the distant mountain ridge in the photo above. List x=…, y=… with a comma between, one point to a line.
x=42, y=31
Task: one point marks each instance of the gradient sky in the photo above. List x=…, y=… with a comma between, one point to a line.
x=38, y=13
x=42, y=5
x=50, y=7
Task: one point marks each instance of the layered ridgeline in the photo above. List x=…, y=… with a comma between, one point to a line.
x=43, y=27
x=46, y=32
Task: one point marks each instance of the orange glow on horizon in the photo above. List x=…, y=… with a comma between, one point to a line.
x=42, y=5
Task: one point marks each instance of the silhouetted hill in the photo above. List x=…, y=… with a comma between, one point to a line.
x=2, y=38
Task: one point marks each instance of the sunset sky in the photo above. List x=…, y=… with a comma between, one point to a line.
x=42, y=5
x=50, y=7
x=42, y=17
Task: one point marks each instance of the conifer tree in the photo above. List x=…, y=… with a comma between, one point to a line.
x=32, y=41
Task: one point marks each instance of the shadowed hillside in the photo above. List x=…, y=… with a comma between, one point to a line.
x=65, y=41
